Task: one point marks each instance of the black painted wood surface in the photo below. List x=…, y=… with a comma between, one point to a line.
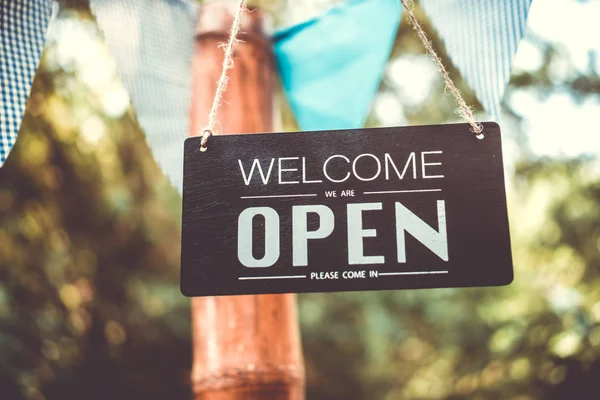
x=472, y=190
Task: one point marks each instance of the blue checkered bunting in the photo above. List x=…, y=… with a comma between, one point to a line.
x=481, y=38
x=155, y=69
x=23, y=27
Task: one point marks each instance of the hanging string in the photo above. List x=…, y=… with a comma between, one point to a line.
x=463, y=109
x=208, y=130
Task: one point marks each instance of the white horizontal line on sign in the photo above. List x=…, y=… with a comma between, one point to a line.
x=278, y=196
x=253, y=278
x=413, y=273
x=405, y=191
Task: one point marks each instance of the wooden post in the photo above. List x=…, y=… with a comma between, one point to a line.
x=245, y=347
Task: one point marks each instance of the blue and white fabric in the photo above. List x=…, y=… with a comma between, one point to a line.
x=23, y=26
x=152, y=43
x=481, y=39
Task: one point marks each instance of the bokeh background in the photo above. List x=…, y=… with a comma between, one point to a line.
x=90, y=232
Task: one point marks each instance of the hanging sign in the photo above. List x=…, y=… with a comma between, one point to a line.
x=366, y=209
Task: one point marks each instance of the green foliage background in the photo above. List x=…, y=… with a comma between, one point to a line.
x=89, y=255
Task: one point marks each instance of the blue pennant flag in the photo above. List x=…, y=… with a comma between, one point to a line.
x=331, y=66
x=23, y=26
x=481, y=38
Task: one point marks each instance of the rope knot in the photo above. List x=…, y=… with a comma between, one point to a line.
x=206, y=133
x=463, y=110
x=222, y=83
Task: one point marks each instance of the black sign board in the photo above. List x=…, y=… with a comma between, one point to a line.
x=366, y=209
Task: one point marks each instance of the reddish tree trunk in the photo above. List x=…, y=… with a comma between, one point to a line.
x=245, y=347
